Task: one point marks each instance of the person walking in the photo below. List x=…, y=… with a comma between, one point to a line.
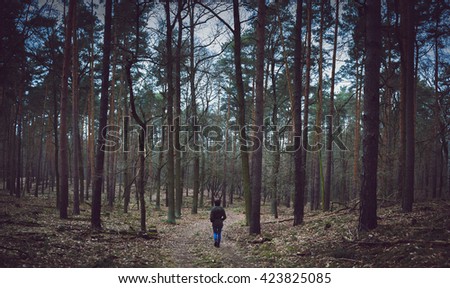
x=217, y=217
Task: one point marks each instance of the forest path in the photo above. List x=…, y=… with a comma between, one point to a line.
x=190, y=243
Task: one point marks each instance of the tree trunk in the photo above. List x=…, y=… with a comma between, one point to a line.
x=170, y=104
x=368, y=194
x=357, y=141
x=178, y=176
x=64, y=153
x=196, y=188
x=298, y=168
x=255, y=220
x=75, y=113
x=329, y=148
x=407, y=65
x=276, y=138
x=100, y=156
x=317, y=166
x=241, y=112
x=305, y=144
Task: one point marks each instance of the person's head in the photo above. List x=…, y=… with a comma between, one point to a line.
x=217, y=202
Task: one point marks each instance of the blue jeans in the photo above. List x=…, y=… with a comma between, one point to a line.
x=217, y=233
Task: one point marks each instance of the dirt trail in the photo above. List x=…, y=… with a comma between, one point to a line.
x=190, y=243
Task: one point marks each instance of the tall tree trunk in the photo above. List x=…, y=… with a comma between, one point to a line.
x=305, y=144
x=75, y=112
x=91, y=103
x=196, y=188
x=298, y=168
x=80, y=160
x=356, y=142
x=318, y=187
x=56, y=151
x=126, y=168
x=178, y=176
x=64, y=153
x=241, y=111
x=140, y=184
x=371, y=122
x=19, y=126
x=225, y=160
x=160, y=167
x=407, y=66
x=329, y=148
x=276, y=138
x=100, y=155
x=170, y=104
x=255, y=220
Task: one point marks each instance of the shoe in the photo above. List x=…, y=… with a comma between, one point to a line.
x=216, y=244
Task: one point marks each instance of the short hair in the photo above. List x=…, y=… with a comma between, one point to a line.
x=217, y=202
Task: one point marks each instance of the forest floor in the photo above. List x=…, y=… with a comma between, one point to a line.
x=32, y=235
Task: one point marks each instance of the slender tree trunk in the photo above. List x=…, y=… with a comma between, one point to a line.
x=225, y=161
x=100, y=156
x=159, y=170
x=196, y=188
x=177, y=119
x=80, y=160
x=329, y=148
x=276, y=138
x=64, y=153
x=297, y=109
x=56, y=151
x=255, y=220
x=140, y=181
x=38, y=174
x=75, y=116
x=407, y=60
x=91, y=104
x=19, y=139
x=305, y=144
x=318, y=187
x=356, y=143
x=126, y=168
x=371, y=122
x=170, y=104
x=241, y=112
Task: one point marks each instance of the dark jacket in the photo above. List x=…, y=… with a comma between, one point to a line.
x=217, y=216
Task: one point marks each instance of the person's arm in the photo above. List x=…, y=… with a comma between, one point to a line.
x=224, y=216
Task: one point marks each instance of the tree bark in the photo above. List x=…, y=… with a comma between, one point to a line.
x=368, y=192
x=298, y=168
x=196, y=188
x=317, y=166
x=241, y=112
x=329, y=148
x=64, y=153
x=75, y=112
x=100, y=155
x=178, y=176
x=407, y=66
x=255, y=221
x=170, y=93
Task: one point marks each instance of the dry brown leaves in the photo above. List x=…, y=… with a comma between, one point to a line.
x=32, y=235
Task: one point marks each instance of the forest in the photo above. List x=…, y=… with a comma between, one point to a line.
x=322, y=126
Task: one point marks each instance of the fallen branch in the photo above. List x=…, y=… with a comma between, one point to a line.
x=278, y=221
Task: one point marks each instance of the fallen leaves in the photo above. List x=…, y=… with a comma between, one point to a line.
x=32, y=235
